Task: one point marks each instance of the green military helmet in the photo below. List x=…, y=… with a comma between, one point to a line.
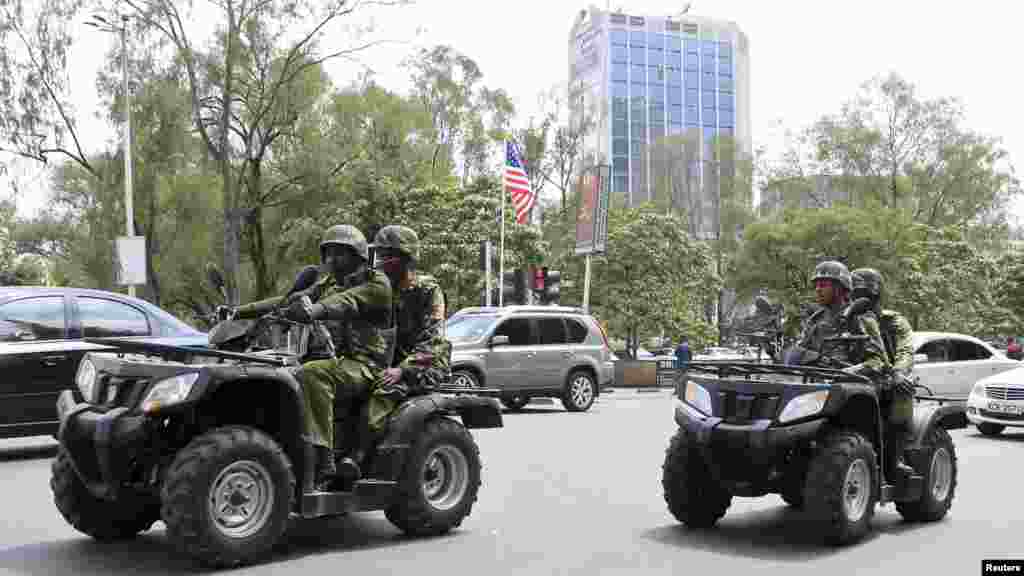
x=833, y=270
x=400, y=238
x=869, y=281
x=346, y=235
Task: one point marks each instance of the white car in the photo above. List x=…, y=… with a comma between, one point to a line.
x=950, y=364
x=997, y=402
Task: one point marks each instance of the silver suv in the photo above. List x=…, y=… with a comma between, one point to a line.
x=531, y=351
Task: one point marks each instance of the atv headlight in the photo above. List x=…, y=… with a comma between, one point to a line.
x=804, y=405
x=86, y=379
x=698, y=397
x=168, y=391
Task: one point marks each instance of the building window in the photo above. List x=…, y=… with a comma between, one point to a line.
x=655, y=41
x=674, y=45
x=656, y=97
x=636, y=75
x=709, y=117
x=636, y=20
x=618, y=18
x=725, y=101
x=707, y=99
x=619, y=73
x=620, y=53
x=620, y=146
x=692, y=117
x=619, y=37
x=636, y=148
x=692, y=62
x=725, y=49
x=657, y=114
x=655, y=57
x=675, y=115
x=709, y=62
x=725, y=68
x=709, y=46
x=675, y=77
x=620, y=165
x=692, y=46
x=621, y=184
x=620, y=128
x=725, y=84
x=692, y=98
x=671, y=26
x=638, y=131
x=619, y=109
x=675, y=97
x=691, y=79
x=656, y=78
x=725, y=118
x=707, y=81
x=637, y=38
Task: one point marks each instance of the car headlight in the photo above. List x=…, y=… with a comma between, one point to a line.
x=168, y=391
x=86, y=379
x=978, y=390
x=804, y=405
x=698, y=397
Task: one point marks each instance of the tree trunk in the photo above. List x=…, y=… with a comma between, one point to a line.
x=232, y=215
x=257, y=244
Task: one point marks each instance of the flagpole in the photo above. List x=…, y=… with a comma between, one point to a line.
x=501, y=248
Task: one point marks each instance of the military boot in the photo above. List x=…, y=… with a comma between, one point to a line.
x=326, y=472
x=896, y=469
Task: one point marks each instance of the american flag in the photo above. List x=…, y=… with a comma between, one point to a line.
x=517, y=183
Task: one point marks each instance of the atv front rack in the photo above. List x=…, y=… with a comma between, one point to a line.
x=748, y=369
x=179, y=353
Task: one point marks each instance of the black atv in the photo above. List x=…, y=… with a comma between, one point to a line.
x=812, y=434
x=210, y=441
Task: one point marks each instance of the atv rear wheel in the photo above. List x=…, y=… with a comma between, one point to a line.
x=440, y=480
x=937, y=463
x=692, y=495
x=840, y=489
x=227, y=496
x=102, y=519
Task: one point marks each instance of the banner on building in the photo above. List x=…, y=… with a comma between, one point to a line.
x=593, y=188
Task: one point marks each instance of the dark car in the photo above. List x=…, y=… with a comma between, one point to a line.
x=41, y=331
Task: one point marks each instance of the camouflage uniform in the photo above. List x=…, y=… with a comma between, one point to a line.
x=356, y=312
x=898, y=336
x=422, y=352
x=421, y=349
x=827, y=321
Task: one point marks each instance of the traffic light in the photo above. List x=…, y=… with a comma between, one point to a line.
x=551, y=279
x=513, y=287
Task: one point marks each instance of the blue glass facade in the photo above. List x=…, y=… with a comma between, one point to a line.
x=662, y=84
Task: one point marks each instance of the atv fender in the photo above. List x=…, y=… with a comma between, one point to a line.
x=409, y=418
x=927, y=416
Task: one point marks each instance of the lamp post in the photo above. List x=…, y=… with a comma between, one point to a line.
x=105, y=25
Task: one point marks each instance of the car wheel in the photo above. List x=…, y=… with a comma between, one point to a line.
x=692, y=495
x=937, y=463
x=580, y=392
x=840, y=488
x=439, y=482
x=227, y=496
x=515, y=403
x=990, y=429
x=102, y=519
x=464, y=378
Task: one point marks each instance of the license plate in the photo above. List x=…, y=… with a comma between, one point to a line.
x=1003, y=408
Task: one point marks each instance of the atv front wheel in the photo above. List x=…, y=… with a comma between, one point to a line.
x=102, y=519
x=840, y=488
x=690, y=492
x=937, y=463
x=227, y=496
x=439, y=482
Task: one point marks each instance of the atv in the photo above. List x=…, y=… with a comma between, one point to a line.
x=210, y=440
x=812, y=434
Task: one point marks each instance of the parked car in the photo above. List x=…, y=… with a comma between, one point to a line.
x=531, y=351
x=997, y=402
x=950, y=364
x=721, y=353
x=41, y=332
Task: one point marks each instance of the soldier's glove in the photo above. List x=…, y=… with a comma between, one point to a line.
x=394, y=392
x=903, y=384
x=225, y=313
x=303, y=310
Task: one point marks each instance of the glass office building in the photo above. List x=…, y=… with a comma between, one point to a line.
x=640, y=79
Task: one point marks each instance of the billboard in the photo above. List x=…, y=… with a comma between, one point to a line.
x=593, y=188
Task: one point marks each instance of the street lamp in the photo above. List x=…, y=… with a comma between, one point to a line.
x=101, y=23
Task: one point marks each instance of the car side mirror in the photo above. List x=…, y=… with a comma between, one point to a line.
x=501, y=340
x=920, y=358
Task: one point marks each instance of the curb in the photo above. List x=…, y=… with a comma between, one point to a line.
x=639, y=390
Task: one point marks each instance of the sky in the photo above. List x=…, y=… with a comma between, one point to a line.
x=807, y=57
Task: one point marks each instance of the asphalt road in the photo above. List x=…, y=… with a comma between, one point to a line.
x=563, y=494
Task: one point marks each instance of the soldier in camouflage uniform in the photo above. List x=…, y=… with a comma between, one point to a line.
x=832, y=286
x=897, y=334
x=422, y=358
x=355, y=304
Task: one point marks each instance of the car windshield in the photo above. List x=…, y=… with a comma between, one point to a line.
x=469, y=326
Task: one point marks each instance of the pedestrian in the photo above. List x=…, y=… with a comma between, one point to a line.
x=683, y=353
